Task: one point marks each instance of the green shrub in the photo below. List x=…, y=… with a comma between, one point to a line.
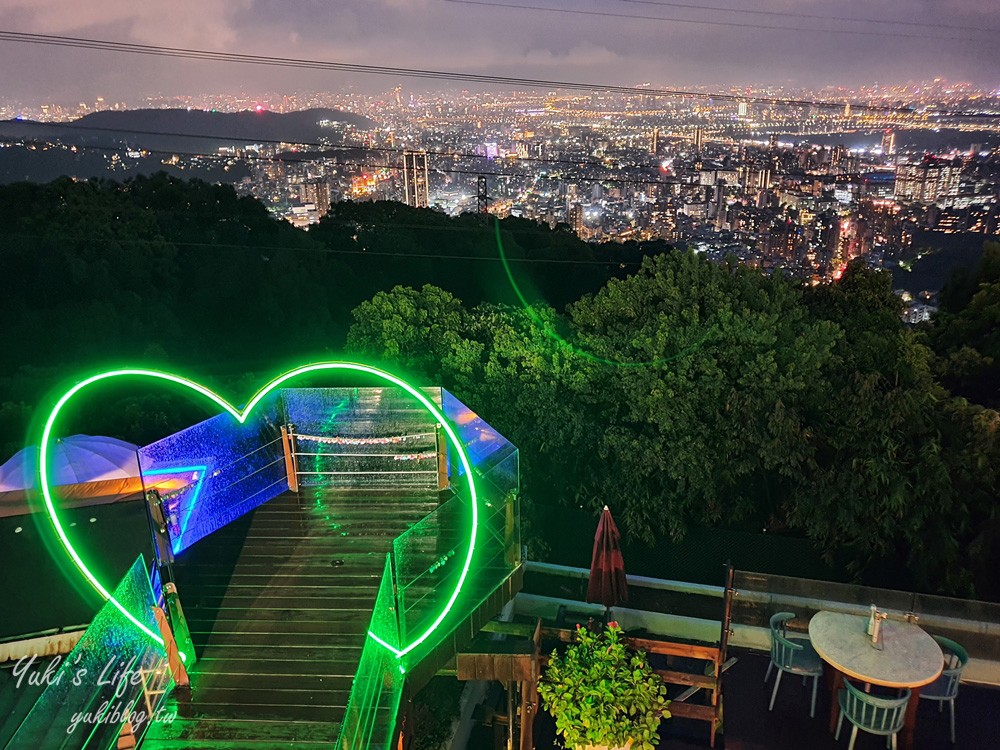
x=600, y=692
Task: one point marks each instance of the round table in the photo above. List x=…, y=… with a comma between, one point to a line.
x=909, y=658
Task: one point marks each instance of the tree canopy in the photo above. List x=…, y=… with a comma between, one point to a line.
x=692, y=393
x=683, y=392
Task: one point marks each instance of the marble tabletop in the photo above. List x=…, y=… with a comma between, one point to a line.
x=909, y=657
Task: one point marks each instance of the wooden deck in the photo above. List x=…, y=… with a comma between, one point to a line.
x=279, y=604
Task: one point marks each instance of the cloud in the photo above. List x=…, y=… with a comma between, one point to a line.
x=440, y=35
x=190, y=23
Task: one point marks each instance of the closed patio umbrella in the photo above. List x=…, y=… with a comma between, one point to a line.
x=607, y=567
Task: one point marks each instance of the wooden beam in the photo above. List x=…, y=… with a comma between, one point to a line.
x=683, y=678
x=508, y=628
x=692, y=711
x=650, y=645
x=668, y=648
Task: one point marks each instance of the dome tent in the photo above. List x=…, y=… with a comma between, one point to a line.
x=88, y=470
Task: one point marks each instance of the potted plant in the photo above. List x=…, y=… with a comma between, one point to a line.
x=602, y=694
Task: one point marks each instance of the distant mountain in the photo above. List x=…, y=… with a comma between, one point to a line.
x=188, y=130
x=48, y=162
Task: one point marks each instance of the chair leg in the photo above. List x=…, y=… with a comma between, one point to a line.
x=951, y=705
x=940, y=706
x=854, y=736
x=767, y=674
x=812, y=706
x=840, y=722
x=774, y=693
x=893, y=745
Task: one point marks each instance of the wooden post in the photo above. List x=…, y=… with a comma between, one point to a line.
x=529, y=694
x=286, y=445
x=512, y=549
x=177, y=669
x=442, y=457
x=126, y=737
x=510, y=714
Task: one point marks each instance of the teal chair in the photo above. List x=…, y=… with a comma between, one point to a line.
x=793, y=654
x=945, y=688
x=871, y=713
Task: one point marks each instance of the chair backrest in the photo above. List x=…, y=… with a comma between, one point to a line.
x=779, y=620
x=955, y=660
x=783, y=651
x=874, y=713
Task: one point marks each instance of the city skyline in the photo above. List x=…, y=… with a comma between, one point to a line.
x=776, y=44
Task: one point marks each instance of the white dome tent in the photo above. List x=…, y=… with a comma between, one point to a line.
x=87, y=469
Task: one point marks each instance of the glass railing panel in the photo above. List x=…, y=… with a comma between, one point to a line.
x=216, y=471
x=367, y=438
x=484, y=445
x=370, y=719
x=430, y=559
x=115, y=672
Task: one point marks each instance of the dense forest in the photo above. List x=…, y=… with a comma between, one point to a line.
x=687, y=393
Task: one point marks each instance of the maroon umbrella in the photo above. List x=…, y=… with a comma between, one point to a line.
x=607, y=568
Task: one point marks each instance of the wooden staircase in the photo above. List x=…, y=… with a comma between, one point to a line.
x=279, y=604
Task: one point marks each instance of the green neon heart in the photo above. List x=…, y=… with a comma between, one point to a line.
x=240, y=416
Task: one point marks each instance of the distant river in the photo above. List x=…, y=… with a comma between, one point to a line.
x=923, y=140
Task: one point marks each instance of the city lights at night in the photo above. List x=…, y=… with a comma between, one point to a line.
x=654, y=365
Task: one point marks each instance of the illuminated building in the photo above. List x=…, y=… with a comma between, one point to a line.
x=576, y=218
x=316, y=192
x=654, y=146
x=889, y=142
x=364, y=186
x=699, y=139
x=741, y=110
x=416, y=180
x=928, y=181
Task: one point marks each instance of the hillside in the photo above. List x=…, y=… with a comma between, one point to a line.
x=188, y=130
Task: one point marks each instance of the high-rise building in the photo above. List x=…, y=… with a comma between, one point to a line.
x=576, y=218
x=316, y=192
x=741, y=110
x=654, y=145
x=889, y=142
x=699, y=139
x=927, y=181
x=847, y=109
x=416, y=179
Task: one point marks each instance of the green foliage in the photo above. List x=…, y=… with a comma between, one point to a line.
x=810, y=411
x=813, y=411
x=192, y=276
x=966, y=332
x=600, y=692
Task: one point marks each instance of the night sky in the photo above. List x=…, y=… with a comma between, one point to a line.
x=470, y=38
